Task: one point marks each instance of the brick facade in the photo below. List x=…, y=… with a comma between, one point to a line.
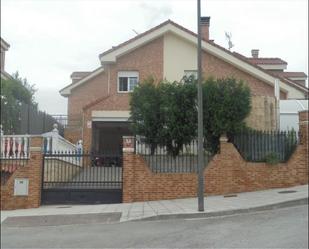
x=32, y=171
x=100, y=93
x=227, y=173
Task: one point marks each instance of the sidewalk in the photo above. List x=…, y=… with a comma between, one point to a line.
x=214, y=205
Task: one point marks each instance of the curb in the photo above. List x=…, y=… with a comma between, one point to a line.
x=297, y=202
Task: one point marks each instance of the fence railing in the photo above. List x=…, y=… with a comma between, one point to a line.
x=259, y=146
x=53, y=141
x=94, y=171
x=14, y=153
x=161, y=161
x=28, y=119
x=14, y=146
x=61, y=119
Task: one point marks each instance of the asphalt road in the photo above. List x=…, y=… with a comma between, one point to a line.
x=280, y=228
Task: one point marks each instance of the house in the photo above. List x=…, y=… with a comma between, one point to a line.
x=4, y=47
x=98, y=101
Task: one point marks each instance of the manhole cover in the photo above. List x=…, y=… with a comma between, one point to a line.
x=228, y=196
x=287, y=191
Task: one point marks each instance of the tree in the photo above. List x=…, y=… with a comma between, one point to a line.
x=166, y=114
x=227, y=102
x=145, y=112
x=14, y=92
x=178, y=107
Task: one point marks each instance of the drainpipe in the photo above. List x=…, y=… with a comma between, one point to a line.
x=108, y=79
x=277, y=97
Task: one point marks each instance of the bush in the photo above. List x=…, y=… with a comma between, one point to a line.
x=226, y=103
x=146, y=114
x=272, y=158
x=179, y=115
x=166, y=114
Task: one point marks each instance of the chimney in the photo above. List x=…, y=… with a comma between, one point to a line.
x=205, y=20
x=255, y=53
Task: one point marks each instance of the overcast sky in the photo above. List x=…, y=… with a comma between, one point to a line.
x=51, y=39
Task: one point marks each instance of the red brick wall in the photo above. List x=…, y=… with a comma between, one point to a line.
x=32, y=171
x=73, y=134
x=227, y=173
x=148, y=60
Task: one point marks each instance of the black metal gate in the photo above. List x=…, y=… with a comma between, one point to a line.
x=72, y=178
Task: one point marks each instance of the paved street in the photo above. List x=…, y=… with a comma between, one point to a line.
x=280, y=228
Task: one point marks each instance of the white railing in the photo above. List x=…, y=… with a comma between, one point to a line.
x=14, y=146
x=55, y=145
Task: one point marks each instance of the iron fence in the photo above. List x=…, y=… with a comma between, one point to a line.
x=28, y=119
x=73, y=170
x=257, y=146
x=61, y=119
x=160, y=160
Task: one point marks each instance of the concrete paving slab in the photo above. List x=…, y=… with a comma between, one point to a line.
x=56, y=220
x=140, y=210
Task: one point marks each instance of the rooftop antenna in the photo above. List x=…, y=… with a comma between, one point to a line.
x=228, y=36
x=135, y=31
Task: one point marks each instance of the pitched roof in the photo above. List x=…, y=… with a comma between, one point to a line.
x=67, y=89
x=293, y=74
x=267, y=61
x=210, y=45
x=4, y=44
x=135, y=38
x=79, y=74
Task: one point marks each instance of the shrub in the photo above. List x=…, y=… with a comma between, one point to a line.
x=179, y=115
x=145, y=112
x=166, y=114
x=272, y=158
x=226, y=103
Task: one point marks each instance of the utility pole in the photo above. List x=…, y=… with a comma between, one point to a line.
x=200, y=113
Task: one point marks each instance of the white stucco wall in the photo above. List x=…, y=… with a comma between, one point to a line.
x=293, y=93
x=179, y=55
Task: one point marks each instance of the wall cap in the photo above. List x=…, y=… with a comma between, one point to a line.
x=35, y=149
x=223, y=139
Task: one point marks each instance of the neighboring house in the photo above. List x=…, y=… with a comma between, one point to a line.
x=98, y=101
x=4, y=47
x=289, y=113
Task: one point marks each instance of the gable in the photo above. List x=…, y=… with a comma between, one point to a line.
x=169, y=27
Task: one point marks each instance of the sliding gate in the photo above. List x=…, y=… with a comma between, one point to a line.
x=72, y=178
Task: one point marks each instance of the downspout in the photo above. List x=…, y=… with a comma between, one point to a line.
x=108, y=79
x=277, y=99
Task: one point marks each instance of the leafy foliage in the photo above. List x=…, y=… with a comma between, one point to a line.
x=14, y=92
x=272, y=158
x=178, y=109
x=145, y=112
x=226, y=103
x=166, y=113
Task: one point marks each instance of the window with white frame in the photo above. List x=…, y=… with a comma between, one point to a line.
x=188, y=73
x=127, y=80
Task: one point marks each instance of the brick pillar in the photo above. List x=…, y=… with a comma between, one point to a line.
x=87, y=131
x=303, y=127
x=35, y=171
x=31, y=171
x=301, y=163
x=128, y=143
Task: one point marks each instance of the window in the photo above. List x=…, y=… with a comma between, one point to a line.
x=189, y=76
x=189, y=73
x=127, y=81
